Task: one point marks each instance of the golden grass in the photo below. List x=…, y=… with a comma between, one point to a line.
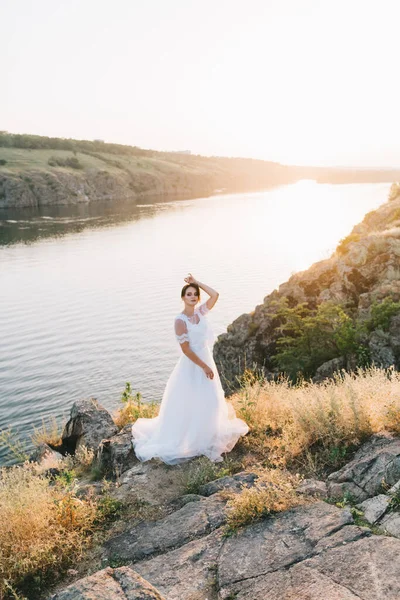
x=49, y=433
x=133, y=408
x=274, y=491
x=42, y=527
x=315, y=424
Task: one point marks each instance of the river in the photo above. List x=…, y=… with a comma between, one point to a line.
x=88, y=293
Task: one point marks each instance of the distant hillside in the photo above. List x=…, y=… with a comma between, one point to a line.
x=41, y=171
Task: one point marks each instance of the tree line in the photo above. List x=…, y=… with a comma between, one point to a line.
x=39, y=142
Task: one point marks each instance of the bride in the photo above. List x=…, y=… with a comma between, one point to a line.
x=194, y=417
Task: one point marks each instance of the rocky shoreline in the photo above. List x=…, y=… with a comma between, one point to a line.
x=327, y=547
x=363, y=270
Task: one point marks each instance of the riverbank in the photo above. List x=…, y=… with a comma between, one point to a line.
x=36, y=178
x=36, y=171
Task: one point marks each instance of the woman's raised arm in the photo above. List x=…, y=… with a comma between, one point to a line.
x=209, y=290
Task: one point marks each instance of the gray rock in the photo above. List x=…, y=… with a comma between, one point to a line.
x=234, y=483
x=187, y=573
x=313, y=487
x=183, y=500
x=43, y=452
x=374, y=508
x=279, y=542
x=329, y=368
x=193, y=520
x=309, y=553
x=381, y=352
x=265, y=561
x=297, y=583
x=115, y=455
x=152, y=482
x=364, y=569
x=110, y=584
x=394, y=334
x=375, y=463
x=88, y=425
x=391, y=524
x=368, y=567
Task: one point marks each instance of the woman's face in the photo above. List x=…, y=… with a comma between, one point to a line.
x=191, y=296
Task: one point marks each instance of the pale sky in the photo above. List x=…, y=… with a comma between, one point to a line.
x=296, y=81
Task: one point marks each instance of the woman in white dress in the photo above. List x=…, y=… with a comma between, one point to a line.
x=194, y=417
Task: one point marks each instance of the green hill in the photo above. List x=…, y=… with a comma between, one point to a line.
x=41, y=171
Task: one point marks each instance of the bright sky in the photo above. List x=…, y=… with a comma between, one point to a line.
x=296, y=81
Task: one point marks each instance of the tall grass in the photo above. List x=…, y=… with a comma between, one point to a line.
x=43, y=527
x=315, y=425
x=49, y=433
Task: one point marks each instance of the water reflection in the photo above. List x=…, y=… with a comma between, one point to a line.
x=27, y=225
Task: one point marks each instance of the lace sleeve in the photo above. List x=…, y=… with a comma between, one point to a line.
x=203, y=308
x=181, y=332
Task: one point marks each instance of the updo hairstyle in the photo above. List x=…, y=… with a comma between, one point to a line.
x=193, y=285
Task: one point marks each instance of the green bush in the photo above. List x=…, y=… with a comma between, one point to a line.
x=381, y=314
x=311, y=337
x=70, y=161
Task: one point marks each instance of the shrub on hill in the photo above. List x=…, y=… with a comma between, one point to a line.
x=70, y=161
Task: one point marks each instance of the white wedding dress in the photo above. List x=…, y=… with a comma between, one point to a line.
x=194, y=417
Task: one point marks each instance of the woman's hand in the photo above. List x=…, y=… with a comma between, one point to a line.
x=190, y=279
x=209, y=372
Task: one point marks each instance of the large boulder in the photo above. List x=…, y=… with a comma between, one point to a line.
x=110, y=584
x=329, y=368
x=115, y=455
x=89, y=424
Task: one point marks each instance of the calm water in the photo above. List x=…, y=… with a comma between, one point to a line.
x=88, y=295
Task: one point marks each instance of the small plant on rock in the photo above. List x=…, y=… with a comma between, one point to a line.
x=202, y=471
x=133, y=407
x=274, y=491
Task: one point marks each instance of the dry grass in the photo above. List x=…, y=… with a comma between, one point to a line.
x=314, y=425
x=49, y=433
x=134, y=408
x=274, y=491
x=42, y=527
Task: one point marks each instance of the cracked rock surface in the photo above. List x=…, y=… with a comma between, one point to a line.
x=307, y=553
x=314, y=551
x=110, y=584
x=193, y=520
x=377, y=461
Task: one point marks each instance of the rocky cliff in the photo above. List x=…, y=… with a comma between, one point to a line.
x=363, y=271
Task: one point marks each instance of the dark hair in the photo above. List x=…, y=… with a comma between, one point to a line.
x=193, y=285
